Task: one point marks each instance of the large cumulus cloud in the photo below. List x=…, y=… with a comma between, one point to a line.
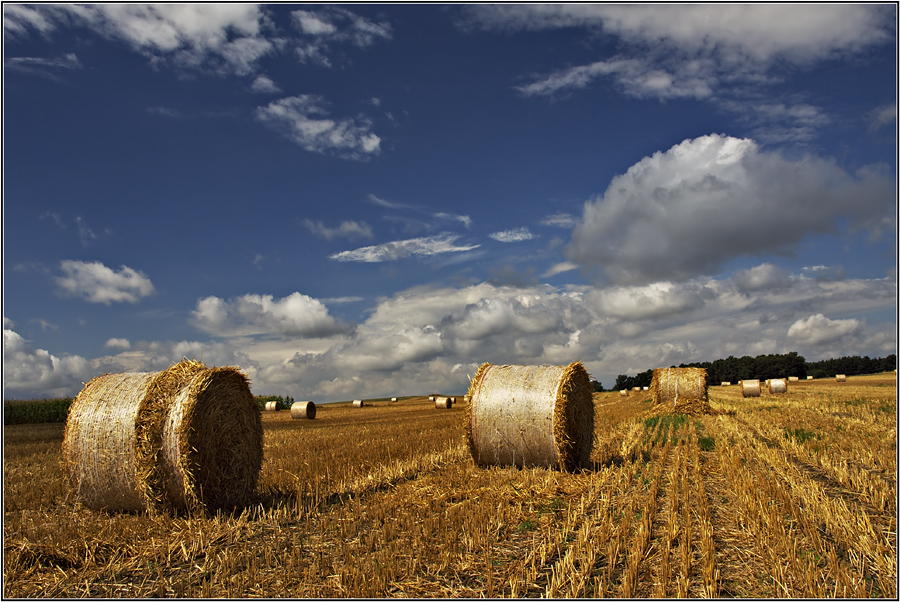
x=685, y=212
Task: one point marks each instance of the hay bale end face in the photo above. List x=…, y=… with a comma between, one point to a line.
x=750, y=388
x=777, y=385
x=189, y=437
x=303, y=410
x=531, y=416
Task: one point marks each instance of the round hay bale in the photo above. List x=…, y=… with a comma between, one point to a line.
x=793, y=379
x=624, y=392
x=841, y=378
x=125, y=434
x=726, y=383
x=303, y=409
x=635, y=388
x=679, y=384
x=212, y=442
x=431, y=398
x=443, y=403
x=358, y=403
x=750, y=388
x=777, y=385
x=394, y=399
x=271, y=406
x=809, y=378
x=531, y=416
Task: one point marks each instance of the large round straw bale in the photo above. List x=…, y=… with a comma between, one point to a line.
x=793, y=379
x=303, y=409
x=750, y=388
x=443, y=403
x=128, y=436
x=212, y=442
x=679, y=384
x=531, y=416
x=777, y=385
x=358, y=403
x=271, y=406
x=841, y=378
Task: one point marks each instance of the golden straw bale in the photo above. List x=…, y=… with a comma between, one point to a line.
x=393, y=399
x=726, y=383
x=793, y=379
x=531, y=416
x=212, y=442
x=303, y=409
x=777, y=385
x=750, y=388
x=185, y=437
x=443, y=403
x=841, y=378
x=676, y=384
x=271, y=406
x=624, y=392
x=358, y=403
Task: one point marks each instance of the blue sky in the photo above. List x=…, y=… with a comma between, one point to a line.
x=366, y=200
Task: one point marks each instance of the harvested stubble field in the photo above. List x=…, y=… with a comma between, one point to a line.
x=783, y=495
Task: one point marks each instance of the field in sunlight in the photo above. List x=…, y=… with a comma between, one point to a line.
x=783, y=495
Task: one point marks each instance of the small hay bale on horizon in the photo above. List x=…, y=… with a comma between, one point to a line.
x=358, y=403
x=531, y=416
x=750, y=388
x=623, y=393
x=303, y=409
x=777, y=385
x=841, y=378
x=809, y=377
x=793, y=379
x=726, y=383
x=394, y=399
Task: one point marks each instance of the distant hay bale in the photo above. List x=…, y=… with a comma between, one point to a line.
x=358, y=403
x=185, y=437
x=531, y=416
x=624, y=392
x=726, y=383
x=271, y=406
x=793, y=379
x=645, y=388
x=394, y=399
x=678, y=384
x=443, y=403
x=777, y=385
x=809, y=378
x=841, y=378
x=431, y=398
x=635, y=388
x=750, y=388
x=303, y=409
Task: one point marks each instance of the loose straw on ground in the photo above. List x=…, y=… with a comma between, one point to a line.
x=531, y=416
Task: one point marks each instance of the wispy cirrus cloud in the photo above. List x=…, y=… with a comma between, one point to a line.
x=401, y=249
x=347, y=229
x=513, y=235
x=45, y=67
x=223, y=38
x=465, y=220
x=324, y=28
x=304, y=120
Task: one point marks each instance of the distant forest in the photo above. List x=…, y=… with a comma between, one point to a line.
x=775, y=365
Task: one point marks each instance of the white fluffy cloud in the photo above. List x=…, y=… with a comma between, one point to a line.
x=30, y=372
x=762, y=277
x=818, y=329
x=304, y=120
x=688, y=210
x=99, y=284
x=400, y=249
x=296, y=315
x=221, y=37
